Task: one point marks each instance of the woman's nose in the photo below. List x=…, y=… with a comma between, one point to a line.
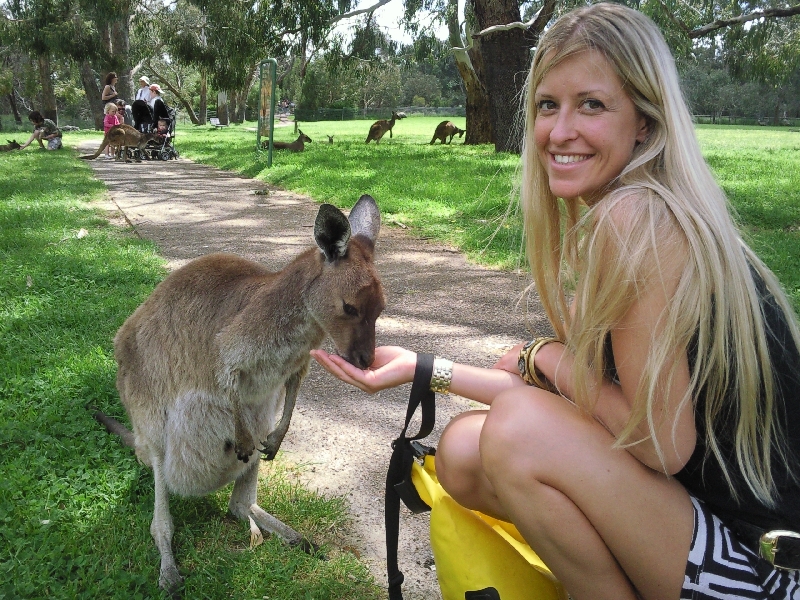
x=564, y=128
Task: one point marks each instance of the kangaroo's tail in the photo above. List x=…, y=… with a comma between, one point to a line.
x=116, y=428
x=99, y=150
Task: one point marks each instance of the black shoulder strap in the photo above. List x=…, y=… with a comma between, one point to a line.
x=400, y=465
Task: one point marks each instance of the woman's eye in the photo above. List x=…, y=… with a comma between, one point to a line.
x=545, y=105
x=351, y=310
x=592, y=104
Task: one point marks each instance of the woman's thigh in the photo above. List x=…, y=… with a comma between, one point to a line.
x=533, y=438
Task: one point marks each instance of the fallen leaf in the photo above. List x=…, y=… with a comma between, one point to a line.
x=29, y=281
x=82, y=233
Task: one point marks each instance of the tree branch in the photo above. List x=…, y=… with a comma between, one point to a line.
x=355, y=13
x=759, y=14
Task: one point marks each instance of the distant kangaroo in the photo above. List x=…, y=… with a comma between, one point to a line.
x=379, y=128
x=123, y=137
x=296, y=146
x=215, y=356
x=444, y=129
x=11, y=145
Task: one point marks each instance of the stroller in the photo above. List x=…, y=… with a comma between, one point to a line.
x=160, y=120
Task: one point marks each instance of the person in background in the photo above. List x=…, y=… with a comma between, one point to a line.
x=111, y=119
x=143, y=93
x=650, y=448
x=109, y=93
x=44, y=130
x=124, y=112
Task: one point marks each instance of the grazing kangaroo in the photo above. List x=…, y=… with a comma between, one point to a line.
x=444, y=129
x=11, y=145
x=296, y=146
x=123, y=137
x=210, y=364
x=379, y=128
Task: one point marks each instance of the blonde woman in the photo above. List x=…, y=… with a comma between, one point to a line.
x=645, y=449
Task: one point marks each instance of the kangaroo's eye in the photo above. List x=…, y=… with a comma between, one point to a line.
x=351, y=310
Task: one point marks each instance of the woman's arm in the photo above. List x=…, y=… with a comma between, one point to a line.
x=394, y=366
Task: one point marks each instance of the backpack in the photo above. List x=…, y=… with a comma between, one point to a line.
x=477, y=557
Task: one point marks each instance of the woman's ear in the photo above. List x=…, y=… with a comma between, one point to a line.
x=644, y=129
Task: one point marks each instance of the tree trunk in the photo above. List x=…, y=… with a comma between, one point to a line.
x=48, y=109
x=92, y=92
x=120, y=44
x=479, y=127
x=202, y=117
x=14, y=109
x=506, y=57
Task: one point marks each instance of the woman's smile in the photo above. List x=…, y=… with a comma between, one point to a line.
x=586, y=125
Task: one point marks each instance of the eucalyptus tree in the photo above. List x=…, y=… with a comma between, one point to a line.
x=227, y=40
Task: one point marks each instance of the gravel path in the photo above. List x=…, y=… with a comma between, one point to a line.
x=437, y=302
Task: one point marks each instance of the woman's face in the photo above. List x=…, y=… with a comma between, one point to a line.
x=586, y=125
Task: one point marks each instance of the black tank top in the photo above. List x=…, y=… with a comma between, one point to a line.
x=703, y=477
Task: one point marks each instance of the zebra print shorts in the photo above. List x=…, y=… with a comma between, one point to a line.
x=720, y=567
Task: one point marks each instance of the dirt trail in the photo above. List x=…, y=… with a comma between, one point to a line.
x=437, y=302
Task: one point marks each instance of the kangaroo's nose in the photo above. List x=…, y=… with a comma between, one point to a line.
x=362, y=358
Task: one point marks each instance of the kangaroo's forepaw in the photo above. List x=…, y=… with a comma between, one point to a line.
x=269, y=449
x=243, y=452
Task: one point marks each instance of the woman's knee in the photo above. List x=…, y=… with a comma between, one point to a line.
x=520, y=434
x=458, y=462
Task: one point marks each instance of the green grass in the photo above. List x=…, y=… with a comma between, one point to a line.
x=75, y=507
x=461, y=194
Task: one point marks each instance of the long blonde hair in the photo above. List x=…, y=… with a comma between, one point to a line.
x=716, y=310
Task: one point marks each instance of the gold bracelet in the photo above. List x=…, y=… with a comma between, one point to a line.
x=442, y=375
x=526, y=364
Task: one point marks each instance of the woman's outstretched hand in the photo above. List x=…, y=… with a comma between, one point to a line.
x=392, y=366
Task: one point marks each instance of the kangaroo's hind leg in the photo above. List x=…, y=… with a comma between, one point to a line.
x=162, y=529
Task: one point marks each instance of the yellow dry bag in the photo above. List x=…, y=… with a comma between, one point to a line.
x=477, y=557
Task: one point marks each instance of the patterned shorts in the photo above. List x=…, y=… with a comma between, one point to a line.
x=54, y=144
x=720, y=567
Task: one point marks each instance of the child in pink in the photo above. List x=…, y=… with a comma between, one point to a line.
x=109, y=121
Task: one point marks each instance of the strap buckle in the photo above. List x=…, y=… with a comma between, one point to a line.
x=768, y=547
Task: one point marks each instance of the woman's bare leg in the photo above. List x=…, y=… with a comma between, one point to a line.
x=606, y=525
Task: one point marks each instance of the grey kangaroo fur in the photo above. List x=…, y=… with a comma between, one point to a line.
x=216, y=354
x=296, y=146
x=379, y=128
x=444, y=129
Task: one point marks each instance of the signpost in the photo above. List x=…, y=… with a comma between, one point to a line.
x=268, y=70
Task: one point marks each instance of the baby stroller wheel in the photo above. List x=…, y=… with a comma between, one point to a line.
x=164, y=155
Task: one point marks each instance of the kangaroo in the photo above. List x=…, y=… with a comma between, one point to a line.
x=330, y=139
x=124, y=137
x=379, y=128
x=444, y=129
x=212, y=361
x=11, y=145
x=296, y=146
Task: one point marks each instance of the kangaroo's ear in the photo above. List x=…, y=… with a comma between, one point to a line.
x=332, y=232
x=365, y=218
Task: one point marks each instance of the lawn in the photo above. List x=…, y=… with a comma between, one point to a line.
x=463, y=194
